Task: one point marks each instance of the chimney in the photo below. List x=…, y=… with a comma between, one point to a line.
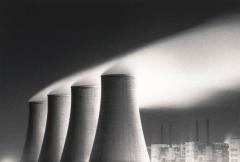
x=162, y=134
x=197, y=131
x=35, y=132
x=119, y=136
x=208, y=132
x=170, y=135
x=56, y=128
x=82, y=125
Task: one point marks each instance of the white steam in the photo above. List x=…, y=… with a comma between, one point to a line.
x=177, y=71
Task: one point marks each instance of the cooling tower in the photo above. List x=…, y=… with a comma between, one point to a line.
x=56, y=128
x=35, y=133
x=83, y=124
x=119, y=136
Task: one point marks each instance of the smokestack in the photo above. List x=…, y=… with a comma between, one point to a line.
x=35, y=132
x=208, y=132
x=162, y=134
x=119, y=136
x=170, y=135
x=197, y=131
x=83, y=124
x=56, y=128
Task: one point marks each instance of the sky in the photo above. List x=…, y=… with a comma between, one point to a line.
x=44, y=43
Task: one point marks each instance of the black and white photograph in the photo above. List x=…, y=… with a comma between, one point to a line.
x=120, y=81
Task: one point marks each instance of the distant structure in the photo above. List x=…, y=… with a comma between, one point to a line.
x=209, y=147
x=197, y=131
x=119, y=136
x=234, y=150
x=170, y=135
x=190, y=151
x=220, y=152
x=167, y=152
x=159, y=152
x=162, y=135
x=194, y=151
x=201, y=152
x=82, y=125
x=56, y=128
x=35, y=132
x=208, y=131
x=179, y=151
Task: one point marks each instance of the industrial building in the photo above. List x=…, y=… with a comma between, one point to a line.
x=194, y=151
x=234, y=150
x=220, y=152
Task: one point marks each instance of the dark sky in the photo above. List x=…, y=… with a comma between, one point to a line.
x=44, y=41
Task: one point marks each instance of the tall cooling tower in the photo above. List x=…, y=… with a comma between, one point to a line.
x=119, y=136
x=56, y=128
x=35, y=133
x=83, y=124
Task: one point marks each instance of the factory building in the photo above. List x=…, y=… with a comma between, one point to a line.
x=159, y=152
x=234, y=150
x=220, y=152
x=190, y=151
x=194, y=151
x=201, y=152
x=179, y=152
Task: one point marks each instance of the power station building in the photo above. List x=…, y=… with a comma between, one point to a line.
x=192, y=151
x=220, y=152
x=234, y=150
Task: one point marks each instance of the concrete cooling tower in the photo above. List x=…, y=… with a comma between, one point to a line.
x=56, y=128
x=83, y=124
x=119, y=136
x=35, y=132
